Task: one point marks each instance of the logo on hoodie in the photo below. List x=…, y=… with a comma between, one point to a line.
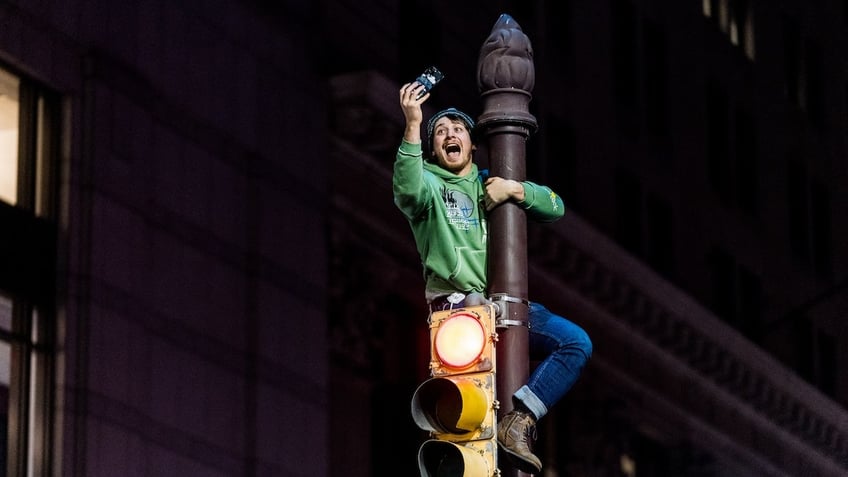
x=460, y=209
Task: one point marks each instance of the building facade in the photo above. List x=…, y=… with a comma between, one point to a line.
x=202, y=272
x=164, y=268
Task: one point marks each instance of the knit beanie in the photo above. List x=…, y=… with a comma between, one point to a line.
x=451, y=113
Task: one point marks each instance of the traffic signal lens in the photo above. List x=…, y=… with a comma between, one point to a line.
x=460, y=341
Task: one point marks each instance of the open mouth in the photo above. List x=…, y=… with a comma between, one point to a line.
x=452, y=148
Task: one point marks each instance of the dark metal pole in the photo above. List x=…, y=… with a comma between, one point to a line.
x=506, y=76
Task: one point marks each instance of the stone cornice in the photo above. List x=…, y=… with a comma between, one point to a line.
x=628, y=292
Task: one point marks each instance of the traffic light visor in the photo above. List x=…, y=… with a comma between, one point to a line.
x=460, y=340
x=446, y=459
x=452, y=405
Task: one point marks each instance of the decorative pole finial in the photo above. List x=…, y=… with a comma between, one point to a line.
x=506, y=58
x=506, y=76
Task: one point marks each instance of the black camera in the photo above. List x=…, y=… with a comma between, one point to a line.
x=429, y=78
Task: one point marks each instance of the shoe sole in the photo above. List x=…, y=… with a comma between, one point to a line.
x=519, y=462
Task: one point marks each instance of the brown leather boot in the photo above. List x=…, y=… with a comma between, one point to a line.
x=515, y=431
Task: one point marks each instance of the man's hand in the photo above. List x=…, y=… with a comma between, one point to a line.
x=411, y=108
x=500, y=190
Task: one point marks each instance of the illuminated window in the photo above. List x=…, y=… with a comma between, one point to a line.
x=735, y=19
x=28, y=145
x=9, y=87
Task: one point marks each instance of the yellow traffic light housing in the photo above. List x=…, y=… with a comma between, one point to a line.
x=457, y=405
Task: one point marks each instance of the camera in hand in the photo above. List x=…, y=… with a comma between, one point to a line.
x=429, y=78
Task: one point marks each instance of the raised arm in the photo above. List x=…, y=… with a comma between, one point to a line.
x=410, y=191
x=411, y=108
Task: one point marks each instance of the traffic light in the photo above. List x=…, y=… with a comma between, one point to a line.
x=457, y=405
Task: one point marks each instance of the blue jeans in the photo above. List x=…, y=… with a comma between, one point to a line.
x=563, y=348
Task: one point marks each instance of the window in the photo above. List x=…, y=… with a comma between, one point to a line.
x=655, y=77
x=721, y=265
x=814, y=84
x=628, y=207
x=734, y=18
x=28, y=145
x=846, y=105
x=624, y=54
x=809, y=218
x=559, y=168
x=644, y=224
x=9, y=88
x=731, y=151
x=797, y=197
x=660, y=240
x=820, y=228
x=558, y=40
x=640, y=77
x=792, y=60
x=718, y=141
x=25, y=377
x=826, y=367
x=741, y=28
x=746, y=177
x=803, y=72
x=816, y=355
x=736, y=294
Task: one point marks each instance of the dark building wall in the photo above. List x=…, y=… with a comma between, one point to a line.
x=711, y=161
x=193, y=275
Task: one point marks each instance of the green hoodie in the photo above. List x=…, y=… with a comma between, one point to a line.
x=448, y=220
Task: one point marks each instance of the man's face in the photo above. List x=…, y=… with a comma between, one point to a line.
x=452, y=146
